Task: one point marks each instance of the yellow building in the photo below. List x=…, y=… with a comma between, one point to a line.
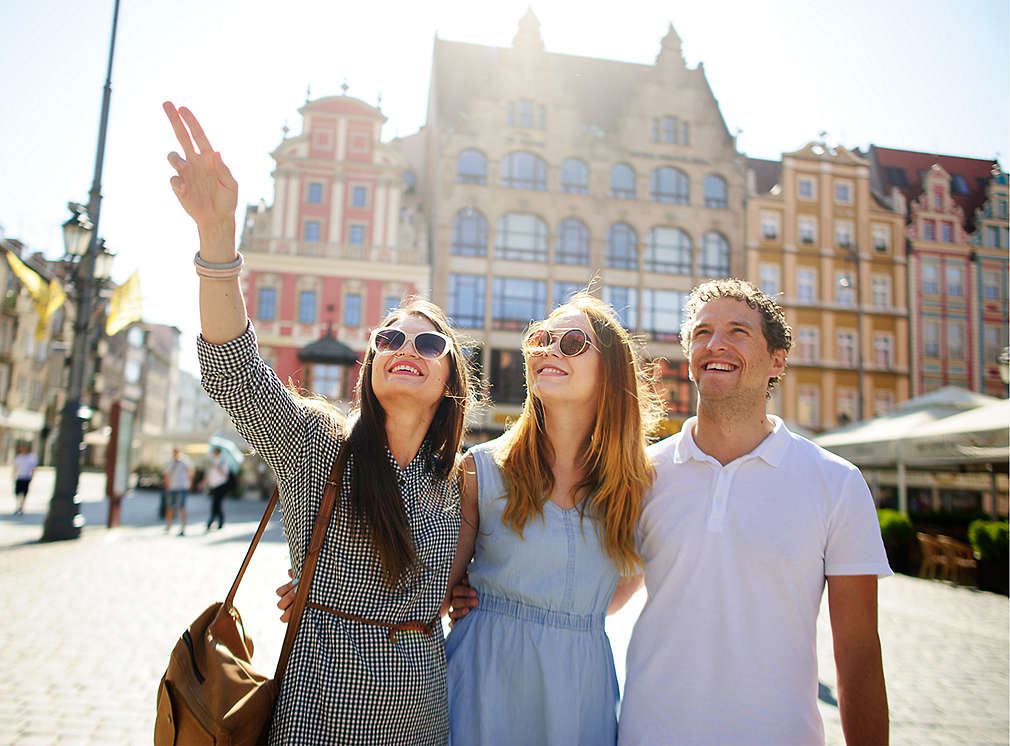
x=821, y=242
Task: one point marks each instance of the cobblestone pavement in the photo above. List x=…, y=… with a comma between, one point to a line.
x=90, y=623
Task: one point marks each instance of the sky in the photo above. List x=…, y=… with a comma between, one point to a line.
x=927, y=75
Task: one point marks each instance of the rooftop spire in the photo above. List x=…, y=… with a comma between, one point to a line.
x=529, y=33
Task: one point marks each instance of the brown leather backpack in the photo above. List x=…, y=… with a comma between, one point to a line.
x=210, y=693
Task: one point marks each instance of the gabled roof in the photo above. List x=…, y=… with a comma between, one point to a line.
x=904, y=170
x=766, y=173
x=598, y=88
x=327, y=350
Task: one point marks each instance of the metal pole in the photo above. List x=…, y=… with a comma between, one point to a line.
x=63, y=520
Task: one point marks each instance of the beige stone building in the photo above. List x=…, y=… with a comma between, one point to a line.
x=542, y=171
x=834, y=254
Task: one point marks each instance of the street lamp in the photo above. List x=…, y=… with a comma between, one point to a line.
x=80, y=235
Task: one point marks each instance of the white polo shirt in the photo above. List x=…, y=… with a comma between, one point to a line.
x=735, y=563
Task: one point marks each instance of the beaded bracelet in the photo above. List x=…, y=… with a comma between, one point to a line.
x=212, y=271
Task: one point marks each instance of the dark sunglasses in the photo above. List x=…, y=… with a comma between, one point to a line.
x=429, y=345
x=571, y=342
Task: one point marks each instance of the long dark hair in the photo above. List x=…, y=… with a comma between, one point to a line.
x=376, y=505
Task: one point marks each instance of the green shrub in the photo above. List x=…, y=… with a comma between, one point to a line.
x=895, y=526
x=989, y=539
x=897, y=532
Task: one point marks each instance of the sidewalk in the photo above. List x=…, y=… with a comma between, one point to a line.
x=91, y=622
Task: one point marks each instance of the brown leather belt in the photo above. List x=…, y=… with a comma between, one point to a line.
x=426, y=628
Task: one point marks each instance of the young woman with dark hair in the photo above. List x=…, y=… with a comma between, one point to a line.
x=386, y=557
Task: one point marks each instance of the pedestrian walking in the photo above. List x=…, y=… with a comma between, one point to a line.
x=216, y=482
x=368, y=662
x=25, y=464
x=178, y=478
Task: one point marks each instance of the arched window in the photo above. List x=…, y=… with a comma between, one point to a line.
x=714, y=261
x=668, y=250
x=671, y=185
x=523, y=171
x=521, y=236
x=469, y=233
x=472, y=167
x=715, y=191
x=622, y=247
x=574, y=176
x=573, y=242
x=622, y=181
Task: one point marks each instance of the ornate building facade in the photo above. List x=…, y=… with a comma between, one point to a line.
x=957, y=249
x=342, y=242
x=542, y=172
x=819, y=240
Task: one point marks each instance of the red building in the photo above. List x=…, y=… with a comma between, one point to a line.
x=957, y=264
x=342, y=242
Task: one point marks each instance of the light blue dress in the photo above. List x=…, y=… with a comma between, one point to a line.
x=532, y=663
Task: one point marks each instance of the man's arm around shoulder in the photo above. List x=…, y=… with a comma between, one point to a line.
x=862, y=696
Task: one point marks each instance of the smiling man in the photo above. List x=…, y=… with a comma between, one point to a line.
x=745, y=524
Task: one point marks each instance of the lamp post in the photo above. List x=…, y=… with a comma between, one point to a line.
x=63, y=521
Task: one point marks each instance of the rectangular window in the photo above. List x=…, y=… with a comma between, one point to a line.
x=808, y=343
x=315, y=195
x=938, y=198
x=846, y=347
x=769, y=278
x=1003, y=209
x=881, y=237
x=662, y=311
x=516, y=301
x=806, y=284
x=843, y=193
x=947, y=232
x=808, y=407
x=883, y=402
x=881, y=286
x=808, y=231
x=990, y=285
x=931, y=338
x=805, y=188
x=770, y=225
x=526, y=114
x=312, y=230
x=955, y=282
x=359, y=196
x=391, y=303
x=843, y=234
x=955, y=340
x=883, y=350
x=356, y=235
x=845, y=289
x=929, y=230
x=992, y=236
x=992, y=343
x=466, y=301
x=562, y=292
x=846, y=405
x=670, y=130
x=352, y=309
x=307, y=307
x=625, y=302
x=930, y=279
x=508, y=378
x=266, y=304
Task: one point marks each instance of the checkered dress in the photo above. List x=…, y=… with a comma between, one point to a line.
x=345, y=682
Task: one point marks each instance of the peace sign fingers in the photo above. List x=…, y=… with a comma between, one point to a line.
x=181, y=134
x=198, y=135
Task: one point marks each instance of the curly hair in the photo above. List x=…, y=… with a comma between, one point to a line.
x=777, y=333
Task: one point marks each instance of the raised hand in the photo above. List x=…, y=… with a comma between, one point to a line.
x=203, y=184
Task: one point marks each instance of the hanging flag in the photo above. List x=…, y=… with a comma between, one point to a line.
x=47, y=298
x=32, y=281
x=46, y=307
x=125, y=306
